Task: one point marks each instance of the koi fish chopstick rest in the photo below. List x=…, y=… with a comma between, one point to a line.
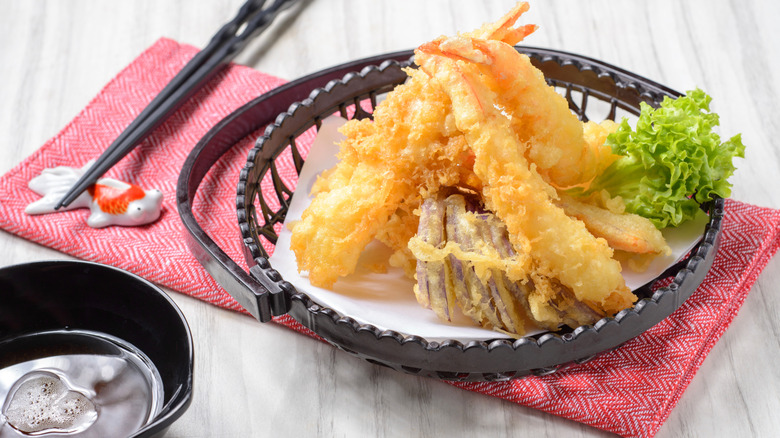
x=110, y=201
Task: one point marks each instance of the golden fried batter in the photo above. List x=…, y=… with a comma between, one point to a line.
x=518, y=194
x=480, y=117
x=385, y=165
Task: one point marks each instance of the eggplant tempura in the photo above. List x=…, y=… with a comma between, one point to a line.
x=461, y=173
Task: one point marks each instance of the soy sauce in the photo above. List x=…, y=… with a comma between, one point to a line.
x=75, y=383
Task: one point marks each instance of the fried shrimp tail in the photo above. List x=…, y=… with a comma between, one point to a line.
x=503, y=30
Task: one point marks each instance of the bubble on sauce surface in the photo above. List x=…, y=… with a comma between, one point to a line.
x=41, y=401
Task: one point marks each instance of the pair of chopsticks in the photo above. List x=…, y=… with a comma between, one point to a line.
x=231, y=38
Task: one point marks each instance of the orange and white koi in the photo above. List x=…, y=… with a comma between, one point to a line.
x=110, y=201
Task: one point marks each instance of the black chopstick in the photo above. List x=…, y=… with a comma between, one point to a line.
x=231, y=38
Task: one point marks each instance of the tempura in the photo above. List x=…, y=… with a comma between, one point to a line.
x=477, y=121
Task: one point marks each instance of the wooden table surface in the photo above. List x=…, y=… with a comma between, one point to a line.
x=256, y=380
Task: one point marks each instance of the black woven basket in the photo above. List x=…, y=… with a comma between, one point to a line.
x=595, y=90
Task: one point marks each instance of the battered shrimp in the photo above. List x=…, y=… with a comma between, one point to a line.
x=384, y=165
x=540, y=117
x=513, y=190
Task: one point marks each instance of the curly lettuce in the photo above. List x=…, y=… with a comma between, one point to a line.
x=671, y=162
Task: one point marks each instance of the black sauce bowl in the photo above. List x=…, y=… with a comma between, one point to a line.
x=54, y=295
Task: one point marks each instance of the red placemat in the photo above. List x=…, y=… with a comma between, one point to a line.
x=629, y=391
x=157, y=251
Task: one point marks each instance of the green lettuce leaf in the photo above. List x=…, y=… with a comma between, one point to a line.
x=671, y=162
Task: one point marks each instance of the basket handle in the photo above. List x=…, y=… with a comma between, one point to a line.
x=261, y=298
